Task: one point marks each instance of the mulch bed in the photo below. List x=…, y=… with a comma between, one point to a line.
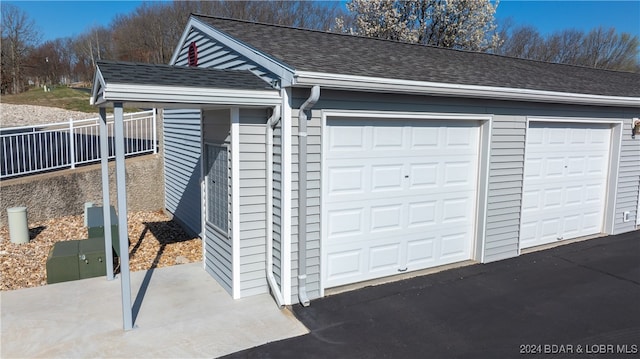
x=155, y=242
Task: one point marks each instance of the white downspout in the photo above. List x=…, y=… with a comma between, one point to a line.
x=302, y=194
x=272, y=122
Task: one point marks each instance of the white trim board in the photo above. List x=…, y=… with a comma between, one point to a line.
x=235, y=201
x=287, y=138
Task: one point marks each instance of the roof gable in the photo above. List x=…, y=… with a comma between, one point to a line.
x=322, y=52
x=221, y=51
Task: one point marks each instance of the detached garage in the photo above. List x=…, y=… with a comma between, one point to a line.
x=313, y=160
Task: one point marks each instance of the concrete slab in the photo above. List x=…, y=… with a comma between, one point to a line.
x=179, y=311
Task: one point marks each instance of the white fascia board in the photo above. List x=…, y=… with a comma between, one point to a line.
x=180, y=45
x=98, y=89
x=280, y=69
x=379, y=84
x=189, y=95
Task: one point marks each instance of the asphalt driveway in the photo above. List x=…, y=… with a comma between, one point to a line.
x=578, y=300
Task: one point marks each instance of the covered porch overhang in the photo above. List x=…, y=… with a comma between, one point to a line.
x=120, y=84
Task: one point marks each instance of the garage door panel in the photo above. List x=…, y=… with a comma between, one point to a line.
x=386, y=178
x=422, y=214
x=386, y=218
x=458, y=173
x=345, y=264
x=566, y=171
x=401, y=196
x=453, y=246
x=387, y=138
x=423, y=175
x=347, y=222
x=346, y=180
x=346, y=139
x=424, y=138
x=384, y=258
x=421, y=252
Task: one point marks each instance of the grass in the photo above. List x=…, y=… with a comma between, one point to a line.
x=60, y=96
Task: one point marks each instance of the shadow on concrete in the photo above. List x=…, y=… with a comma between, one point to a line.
x=165, y=232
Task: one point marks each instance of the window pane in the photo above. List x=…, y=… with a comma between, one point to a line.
x=217, y=187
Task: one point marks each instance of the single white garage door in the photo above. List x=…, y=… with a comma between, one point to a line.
x=566, y=168
x=398, y=195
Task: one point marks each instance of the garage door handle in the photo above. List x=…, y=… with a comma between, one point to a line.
x=402, y=269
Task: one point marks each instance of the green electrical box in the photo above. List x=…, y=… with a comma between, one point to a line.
x=91, y=258
x=95, y=225
x=77, y=259
x=62, y=262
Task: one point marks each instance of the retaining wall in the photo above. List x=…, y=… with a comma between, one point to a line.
x=63, y=193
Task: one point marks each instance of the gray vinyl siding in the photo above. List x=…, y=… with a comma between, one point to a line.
x=252, y=202
x=277, y=204
x=506, y=168
x=212, y=54
x=628, y=180
x=218, y=257
x=181, y=138
x=216, y=129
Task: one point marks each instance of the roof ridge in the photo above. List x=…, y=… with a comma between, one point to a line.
x=437, y=48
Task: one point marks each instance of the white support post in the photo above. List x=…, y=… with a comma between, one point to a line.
x=235, y=201
x=72, y=144
x=106, y=208
x=154, y=132
x=121, y=189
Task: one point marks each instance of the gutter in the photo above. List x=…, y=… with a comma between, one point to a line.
x=272, y=122
x=302, y=194
x=386, y=85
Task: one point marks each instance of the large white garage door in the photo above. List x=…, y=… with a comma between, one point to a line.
x=398, y=196
x=565, y=180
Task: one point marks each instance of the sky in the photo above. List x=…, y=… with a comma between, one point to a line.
x=57, y=19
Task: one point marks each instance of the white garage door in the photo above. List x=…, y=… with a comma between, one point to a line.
x=398, y=196
x=565, y=181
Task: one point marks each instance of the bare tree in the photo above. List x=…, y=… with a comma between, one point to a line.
x=599, y=48
x=524, y=42
x=19, y=34
x=152, y=31
x=318, y=15
x=608, y=50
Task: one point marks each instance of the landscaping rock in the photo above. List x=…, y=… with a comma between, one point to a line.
x=155, y=241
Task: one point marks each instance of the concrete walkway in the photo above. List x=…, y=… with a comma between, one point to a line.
x=181, y=313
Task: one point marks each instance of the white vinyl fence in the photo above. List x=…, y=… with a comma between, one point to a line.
x=32, y=149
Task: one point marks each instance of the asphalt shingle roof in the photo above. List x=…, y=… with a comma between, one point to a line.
x=317, y=51
x=167, y=75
